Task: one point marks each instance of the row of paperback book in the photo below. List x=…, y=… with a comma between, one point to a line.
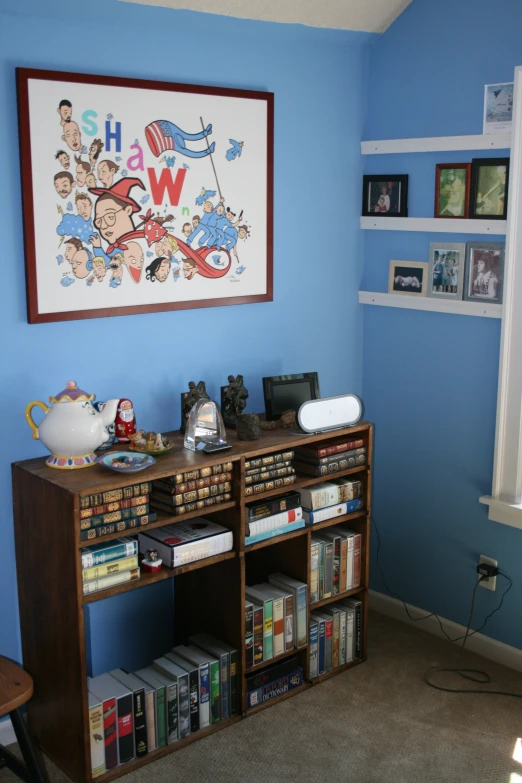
x=187, y=689
x=113, y=563
x=275, y=618
x=337, y=455
x=335, y=563
x=336, y=635
x=269, y=472
x=193, y=490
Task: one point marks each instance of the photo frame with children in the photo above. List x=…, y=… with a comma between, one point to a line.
x=143, y=196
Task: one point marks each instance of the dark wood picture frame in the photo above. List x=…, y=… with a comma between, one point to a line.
x=476, y=165
x=398, y=201
x=23, y=76
x=448, y=166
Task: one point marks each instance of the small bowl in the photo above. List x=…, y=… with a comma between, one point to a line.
x=123, y=462
x=154, y=452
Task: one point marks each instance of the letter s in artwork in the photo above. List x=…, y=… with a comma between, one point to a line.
x=90, y=128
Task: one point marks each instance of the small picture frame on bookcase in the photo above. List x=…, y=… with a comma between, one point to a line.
x=385, y=195
x=484, y=278
x=446, y=270
x=408, y=278
x=452, y=184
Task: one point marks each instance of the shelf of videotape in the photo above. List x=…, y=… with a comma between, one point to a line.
x=279, y=540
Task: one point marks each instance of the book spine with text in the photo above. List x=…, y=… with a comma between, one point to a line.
x=342, y=637
x=314, y=572
x=268, y=459
x=268, y=508
x=114, y=567
x=109, y=553
x=314, y=649
x=249, y=634
x=269, y=486
x=255, y=478
x=258, y=634
x=332, y=448
x=140, y=724
x=278, y=620
x=277, y=466
x=150, y=707
x=289, y=621
x=110, y=581
x=215, y=690
x=96, y=736
x=234, y=699
x=117, y=527
x=276, y=520
x=312, y=517
x=357, y=560
x=188, y=508
x=115, y=495
x=343, y=565
x=278, y=531
x=120, y=505
x=125, y=728
x=114, y=516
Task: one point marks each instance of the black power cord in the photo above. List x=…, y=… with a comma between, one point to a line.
x=474, y=675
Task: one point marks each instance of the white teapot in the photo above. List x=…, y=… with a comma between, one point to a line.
x=72, y=429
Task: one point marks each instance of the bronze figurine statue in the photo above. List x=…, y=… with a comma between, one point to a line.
x=233, y=400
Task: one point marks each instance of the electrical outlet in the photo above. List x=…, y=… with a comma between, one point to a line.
x=491, y=582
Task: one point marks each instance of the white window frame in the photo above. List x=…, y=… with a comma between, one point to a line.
x=505, y=502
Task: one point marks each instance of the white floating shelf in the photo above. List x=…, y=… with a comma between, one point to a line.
x=493, y=141
x=457, y=307
x=444, y=225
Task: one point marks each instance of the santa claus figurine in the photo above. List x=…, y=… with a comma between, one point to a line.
x=125, y=421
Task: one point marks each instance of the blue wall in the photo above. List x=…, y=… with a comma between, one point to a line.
x=430, y=379
x=319, y=78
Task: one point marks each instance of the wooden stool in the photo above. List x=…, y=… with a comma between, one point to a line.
x=16, y=688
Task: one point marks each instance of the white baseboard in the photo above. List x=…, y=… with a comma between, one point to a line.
x=7, y=735
x=478, y=643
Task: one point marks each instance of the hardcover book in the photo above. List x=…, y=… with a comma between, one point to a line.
x=111, y=580
x=259, y=509
x=114, y=567
x=314, y=649
x=106, y=688
x=356, y=605
x=268, y=459
x=274, y=689
x=314, y=571
x=137, y=688
x=254, y=471
x=97, y=554
x=204, y=664
x=249, y=634
x=300, y=593
x=278, y=531
x=115, y=495
x=188, y=541
x=258, y=633
x=171, y=702
x=333, y=447
x=257, y=596
x=188, y=692
x=227, y=657
x=344, y=463
x=329, y=512
x=255, y=478
x=288, y=614
x=117, y=527
x=271, y=672
x=86, y=513
x=114, y=516
x=149, y=675
x=96, y=734
x=254, y=527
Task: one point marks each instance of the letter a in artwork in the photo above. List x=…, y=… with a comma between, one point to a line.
x=135, y=162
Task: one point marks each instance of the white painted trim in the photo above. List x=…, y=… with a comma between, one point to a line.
x=454, y=306
x=492, y=141
x=507, y=469
x=7, y=735
x=500, y=511
x=443, y=225
x=478, y=643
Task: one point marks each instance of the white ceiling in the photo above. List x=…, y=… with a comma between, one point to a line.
x=372, y=16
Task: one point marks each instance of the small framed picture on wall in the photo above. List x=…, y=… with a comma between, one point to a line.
x=385, y=195
x=489, y=188
x=452, y=184
x=446, y=270
x=484, y=271
x=408, y=277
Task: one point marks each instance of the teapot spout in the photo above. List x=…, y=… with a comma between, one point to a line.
x=108, y=414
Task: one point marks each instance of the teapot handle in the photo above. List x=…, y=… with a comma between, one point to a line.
x=29, y=418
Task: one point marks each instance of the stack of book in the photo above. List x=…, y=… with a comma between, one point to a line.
x=336, y=636
x=271, y=471
x=187, y=689
x=273, y=681
x=274, y=517
x=331, y=499
x=335, y=563
x=321, y=460
x=193, y=490
x=114, y=511
x=275, y=615
x=107, y=564
x=186, y=542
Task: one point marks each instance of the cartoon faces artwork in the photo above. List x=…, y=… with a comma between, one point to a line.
x=143, y=206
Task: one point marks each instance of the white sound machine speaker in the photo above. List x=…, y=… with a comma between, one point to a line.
x=330, y=413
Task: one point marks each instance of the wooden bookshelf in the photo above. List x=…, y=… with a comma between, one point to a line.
x=209, y=594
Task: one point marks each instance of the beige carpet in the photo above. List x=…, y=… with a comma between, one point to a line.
x=378, y=723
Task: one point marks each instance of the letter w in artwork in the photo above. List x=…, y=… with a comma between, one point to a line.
x=166, y=183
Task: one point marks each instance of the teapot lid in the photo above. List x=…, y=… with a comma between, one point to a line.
x=72, y=393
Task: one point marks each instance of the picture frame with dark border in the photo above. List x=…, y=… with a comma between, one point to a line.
x=484, y=284
x=489, y=188
x=385, y=195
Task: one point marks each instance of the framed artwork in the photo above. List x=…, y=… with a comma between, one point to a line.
x=446, y=270
x=143, y=196
x=498, y=107
x=484, y=271
x=452, y=184
x=489, y=188
x=408, y=277
x=385, y=195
